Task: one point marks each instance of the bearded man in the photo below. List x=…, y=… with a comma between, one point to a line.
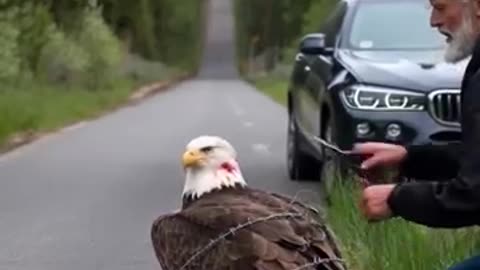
x=432, y=201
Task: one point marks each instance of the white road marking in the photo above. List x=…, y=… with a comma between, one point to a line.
x=261, y=148
x=248, y=124
x=237, y=109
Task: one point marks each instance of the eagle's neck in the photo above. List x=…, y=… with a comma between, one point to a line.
x=202, y=181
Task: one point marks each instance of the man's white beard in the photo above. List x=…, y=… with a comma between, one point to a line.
x=462, y=41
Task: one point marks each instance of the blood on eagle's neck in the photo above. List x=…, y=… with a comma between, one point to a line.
x=205, y=180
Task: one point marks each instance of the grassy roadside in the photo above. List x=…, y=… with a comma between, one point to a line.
x=274, y=87
x=63, y=63
x=395, y=244
x=32, y=108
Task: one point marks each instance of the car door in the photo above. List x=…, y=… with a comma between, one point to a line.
x=303, y=102
x=297, y=88
x=314, y=86
x=321, y=70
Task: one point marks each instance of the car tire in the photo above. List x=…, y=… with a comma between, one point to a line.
x=301, y=166
x=332, y=168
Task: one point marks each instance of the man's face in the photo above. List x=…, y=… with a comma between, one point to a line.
x=457, y=21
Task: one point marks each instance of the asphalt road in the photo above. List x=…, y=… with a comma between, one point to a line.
x=85, y=198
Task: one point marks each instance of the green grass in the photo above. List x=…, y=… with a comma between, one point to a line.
x=33, y=107
x=276, y=88
x=395, y=244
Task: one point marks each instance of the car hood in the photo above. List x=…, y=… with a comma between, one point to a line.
x=415, y=70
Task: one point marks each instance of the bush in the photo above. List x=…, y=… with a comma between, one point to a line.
x=91, y=55
x=62, y=59
x=35, y=24
x=53, y=52
x=101, y=45
x=9, y=49
x=160, y=30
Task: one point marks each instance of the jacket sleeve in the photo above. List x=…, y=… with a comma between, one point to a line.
x=448, y=204
x=432, y=162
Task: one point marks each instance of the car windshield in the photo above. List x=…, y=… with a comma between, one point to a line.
x=393, y=25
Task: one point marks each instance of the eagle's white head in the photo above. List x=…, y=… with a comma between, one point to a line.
x=210, y=163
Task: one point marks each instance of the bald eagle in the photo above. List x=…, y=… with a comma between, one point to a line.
x=224, y=224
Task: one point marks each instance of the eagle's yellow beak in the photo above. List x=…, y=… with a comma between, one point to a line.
x=192, y=158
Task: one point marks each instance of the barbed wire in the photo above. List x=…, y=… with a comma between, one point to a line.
x=304, y=204
x=233, y=230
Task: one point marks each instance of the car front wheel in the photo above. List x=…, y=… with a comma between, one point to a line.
x=332, y=167
x=301, y=166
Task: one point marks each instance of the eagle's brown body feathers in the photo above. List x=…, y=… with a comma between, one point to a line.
x=285, y=243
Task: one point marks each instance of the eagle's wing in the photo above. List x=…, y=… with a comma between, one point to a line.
x=230, y=232
x=178, y=243
x=315, y=216
x=311, y=226
x=295, y=202
x=262, y=230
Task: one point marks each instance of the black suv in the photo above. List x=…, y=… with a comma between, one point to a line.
x=374, y=72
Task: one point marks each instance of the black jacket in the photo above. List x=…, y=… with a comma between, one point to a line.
x=443, y=195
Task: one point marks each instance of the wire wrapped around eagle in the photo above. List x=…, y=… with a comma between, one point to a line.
x=226, y=225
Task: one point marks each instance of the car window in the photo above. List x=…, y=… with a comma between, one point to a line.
x=388, y=25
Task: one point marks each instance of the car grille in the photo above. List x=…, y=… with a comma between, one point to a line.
x=445, y=106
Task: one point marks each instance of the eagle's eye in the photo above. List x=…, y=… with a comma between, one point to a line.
x=206, y=149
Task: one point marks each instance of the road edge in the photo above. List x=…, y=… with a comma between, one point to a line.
x=139, y=95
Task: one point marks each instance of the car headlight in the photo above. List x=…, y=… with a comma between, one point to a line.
x=382, y=99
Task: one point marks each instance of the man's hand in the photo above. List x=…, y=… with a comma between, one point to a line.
x=374, y=202
x=381, y=154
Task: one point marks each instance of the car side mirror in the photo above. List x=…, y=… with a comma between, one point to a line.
x=314, y=44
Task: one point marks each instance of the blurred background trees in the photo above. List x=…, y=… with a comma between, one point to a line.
x=95, y=40
x=65, y=60
x=268, y=31
x=76, y=40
